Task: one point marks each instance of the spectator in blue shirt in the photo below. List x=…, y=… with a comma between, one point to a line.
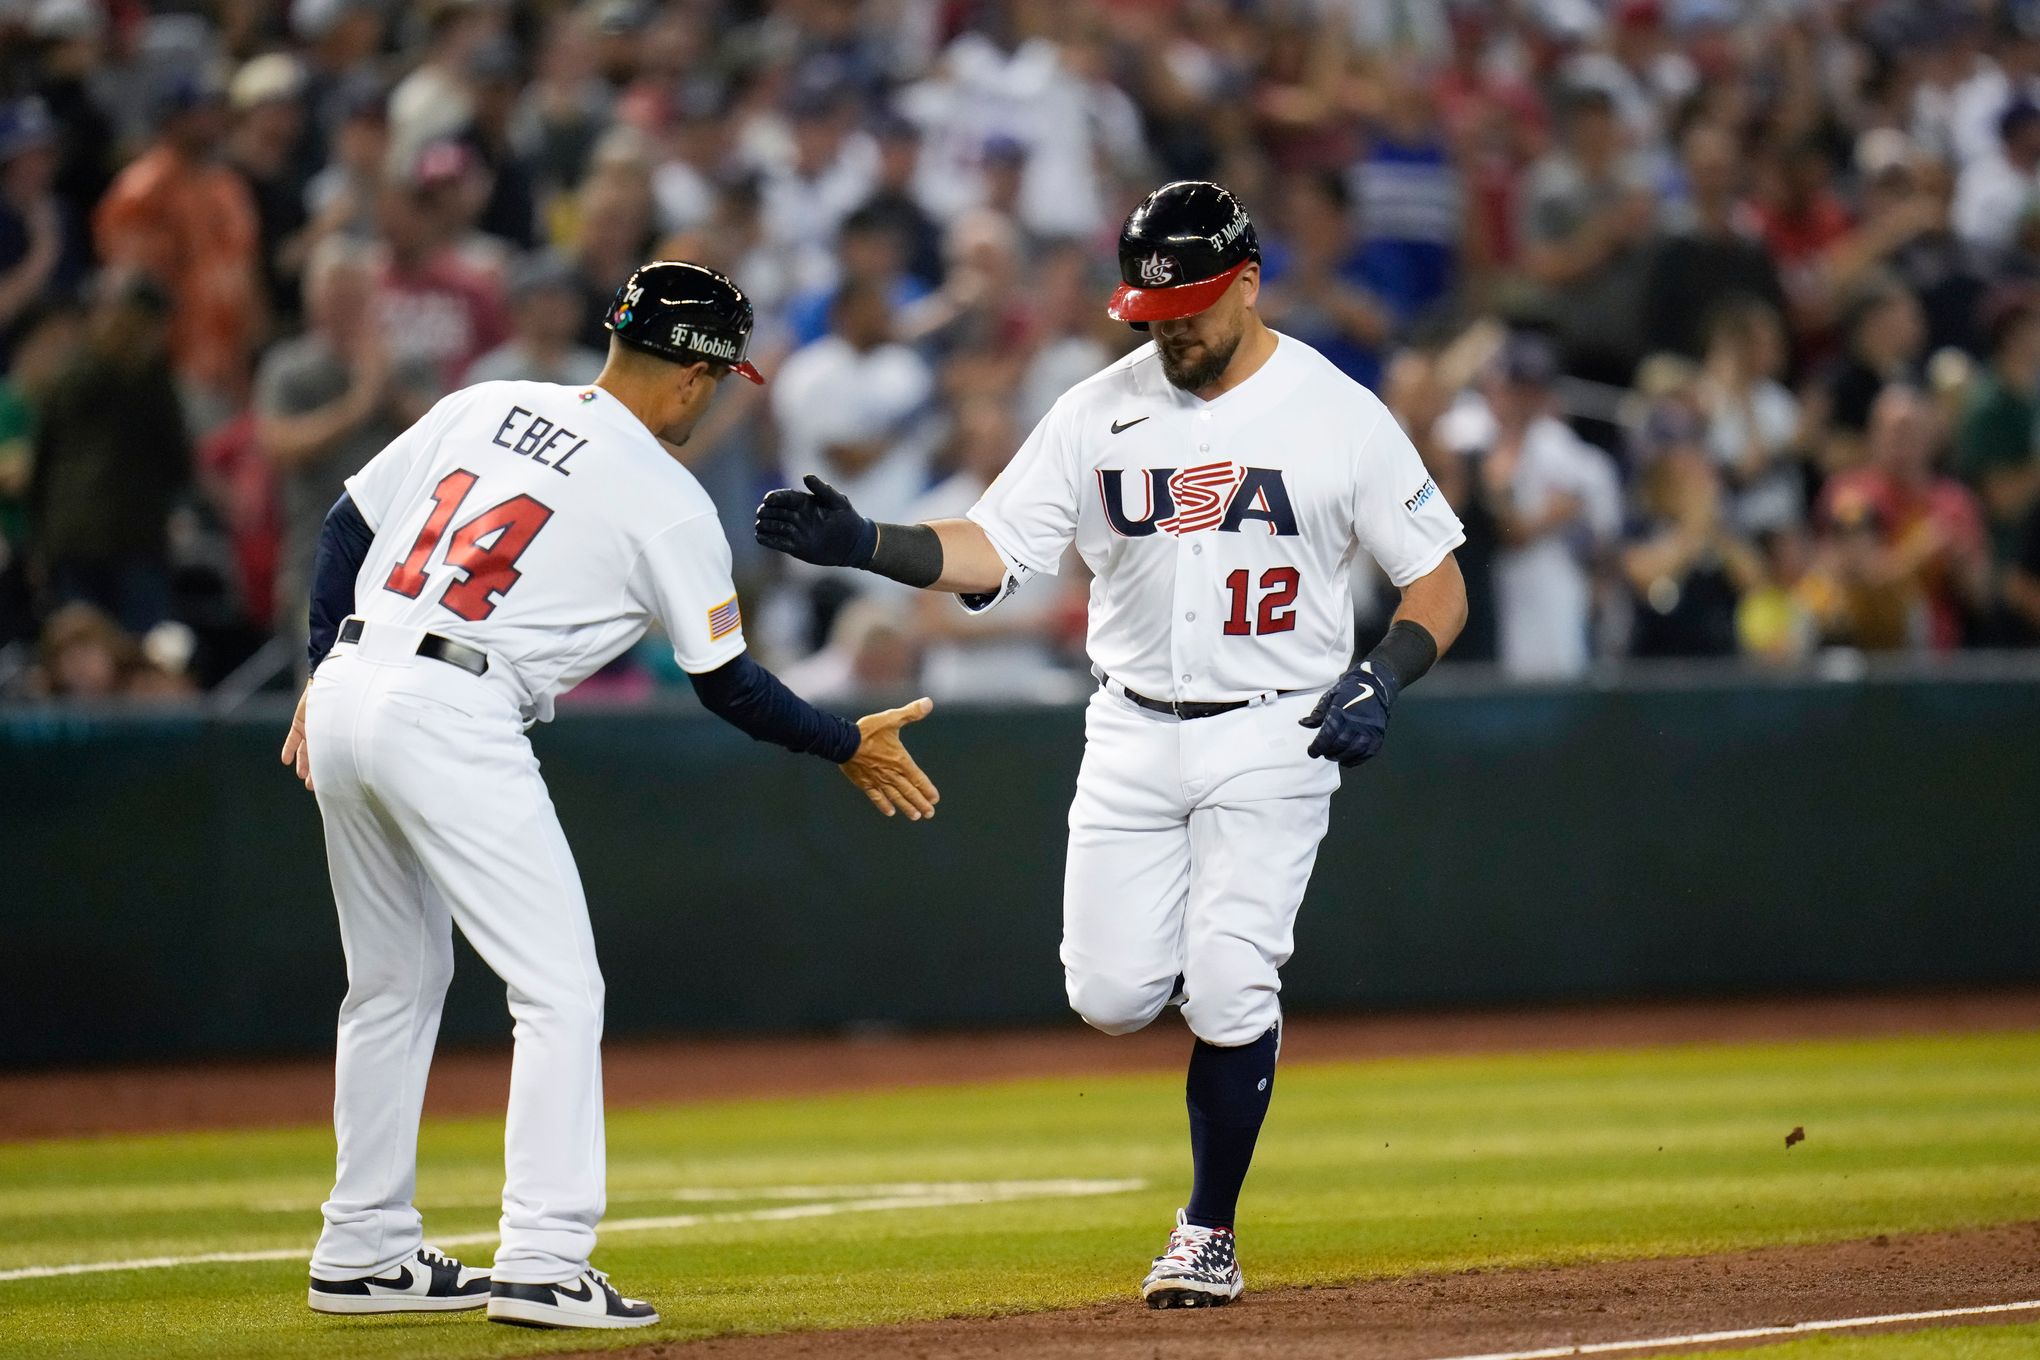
x=869, y=249
x=1316, y=285
x=1406, y=192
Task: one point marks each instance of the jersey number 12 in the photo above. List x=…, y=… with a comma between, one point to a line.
x=1278, y=604
x=488, y=571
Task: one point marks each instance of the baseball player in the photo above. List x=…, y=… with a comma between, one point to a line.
x=500, y=551
x=1217, y=482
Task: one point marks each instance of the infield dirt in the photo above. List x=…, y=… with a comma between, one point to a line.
x=1410, y=1317
x=1421, y=1317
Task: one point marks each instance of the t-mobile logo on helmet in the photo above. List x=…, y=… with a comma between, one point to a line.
x=714, y=346
x=1228, y=233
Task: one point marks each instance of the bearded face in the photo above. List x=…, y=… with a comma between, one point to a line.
x=1194, y=364
x=1195, y=350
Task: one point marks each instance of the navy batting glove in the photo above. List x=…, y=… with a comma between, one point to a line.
x=817, y=525
x=1352, y=717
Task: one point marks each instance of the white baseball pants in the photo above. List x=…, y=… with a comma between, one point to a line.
x=435, y=814
x=1191, y=844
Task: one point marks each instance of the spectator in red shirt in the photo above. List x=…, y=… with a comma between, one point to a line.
x=1470, y=88
x=1910, y=534
x=435, y=308
x=1800, y=217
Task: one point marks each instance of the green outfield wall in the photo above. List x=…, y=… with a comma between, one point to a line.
x=164, y=883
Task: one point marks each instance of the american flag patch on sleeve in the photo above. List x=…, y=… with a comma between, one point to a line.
x=724, y=619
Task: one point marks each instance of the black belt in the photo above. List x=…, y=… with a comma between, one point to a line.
x=432, y=647
x=1187, y=712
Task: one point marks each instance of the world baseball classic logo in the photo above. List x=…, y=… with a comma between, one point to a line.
x=1221, y=496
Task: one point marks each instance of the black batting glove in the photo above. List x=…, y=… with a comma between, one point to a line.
x=817, y=525
x=1352, y=717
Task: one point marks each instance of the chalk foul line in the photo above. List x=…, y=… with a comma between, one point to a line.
x=826, y=1201
x=1753, y=1333
x=878, y=1199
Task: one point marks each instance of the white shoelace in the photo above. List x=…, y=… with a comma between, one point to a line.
x=602, y=1278
x=1185, y=1242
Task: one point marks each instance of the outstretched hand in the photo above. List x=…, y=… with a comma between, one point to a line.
x=1352, y=717
x=884, y=770
x=818, y=525
x=295, y=753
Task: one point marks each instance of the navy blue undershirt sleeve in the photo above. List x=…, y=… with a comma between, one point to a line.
x=344, y=540
x=754, y=701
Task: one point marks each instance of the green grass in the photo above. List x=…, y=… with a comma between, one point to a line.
x=1944, y=1343
x=1366, y=1170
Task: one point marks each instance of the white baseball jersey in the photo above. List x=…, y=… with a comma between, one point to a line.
x=548, y=527
x=1220, y=532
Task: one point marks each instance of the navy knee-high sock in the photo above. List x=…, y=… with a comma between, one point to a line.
x=1228, y=1093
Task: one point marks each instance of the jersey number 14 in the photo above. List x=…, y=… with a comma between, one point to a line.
x=488, y=569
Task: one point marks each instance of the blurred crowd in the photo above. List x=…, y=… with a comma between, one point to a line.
x=1717, y=320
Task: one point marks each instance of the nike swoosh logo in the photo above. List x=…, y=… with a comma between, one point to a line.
x=402, y=1280
x=1366, y=693
x=587, y=1291
x=1119, y=425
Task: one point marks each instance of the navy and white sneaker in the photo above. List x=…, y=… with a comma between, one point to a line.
x=587, y=1300
x=1200, y=1269
x=429, y=1282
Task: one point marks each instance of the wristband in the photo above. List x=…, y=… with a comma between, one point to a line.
x=908, y=553
x=1402, y=656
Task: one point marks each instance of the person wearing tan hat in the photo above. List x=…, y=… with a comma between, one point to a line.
x=265, y=99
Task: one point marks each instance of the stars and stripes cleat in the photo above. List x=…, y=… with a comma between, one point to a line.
x=429, y=1281
x=1200, y=1269
x=587, y=1300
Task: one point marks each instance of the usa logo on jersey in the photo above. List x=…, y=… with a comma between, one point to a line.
x=1221, y=496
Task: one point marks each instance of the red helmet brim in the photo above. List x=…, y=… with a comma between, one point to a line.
x=749, y=370
x=1169, y=304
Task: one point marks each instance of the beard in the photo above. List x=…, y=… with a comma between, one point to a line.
x=1201, y=365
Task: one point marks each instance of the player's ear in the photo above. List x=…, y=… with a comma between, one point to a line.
x=1249, y=284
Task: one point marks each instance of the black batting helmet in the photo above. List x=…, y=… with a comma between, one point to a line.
x=686, y=313
x=1179, y=250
